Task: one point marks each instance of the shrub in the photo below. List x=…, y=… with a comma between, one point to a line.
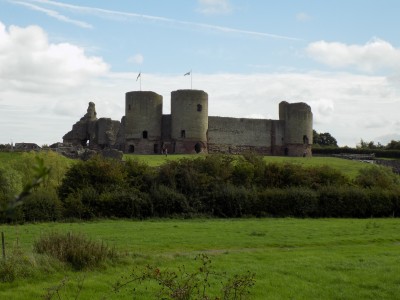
x=82, y=203
x=302, y=201
x=167, y=201
x=227, y=200
x=139, y=175
x=348, y=202
x=98, y=173
x=295, y=202
x=377, y=176
x=75, y=249
x=42, y=205
x=186, y=176
x=243, y=173
x=124, y=203
x=57, y=163
x=380, y=202
x=325, y=176
x=183, y=284
x=284, y=175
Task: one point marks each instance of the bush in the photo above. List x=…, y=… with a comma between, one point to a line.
x=377, y=176
x=124, y=203
x=295, y=202
x=183, y=285
x=381, y=202
x=229, y=201
x=75, y=249
x=284, y=175
x=98, y=173
x=344, y=202
x=42, y=205
x=325, y=176
x=139, y=175
x=243, y=173
x=167, y=201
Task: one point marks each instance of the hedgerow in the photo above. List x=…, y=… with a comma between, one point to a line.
x=213, y=185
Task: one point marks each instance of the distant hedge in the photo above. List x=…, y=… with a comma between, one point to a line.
x=338, y=150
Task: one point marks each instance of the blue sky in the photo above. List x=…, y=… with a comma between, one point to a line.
x=341, y=57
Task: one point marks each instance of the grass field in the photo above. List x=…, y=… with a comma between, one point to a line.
x=348, y=167
x=292, y=258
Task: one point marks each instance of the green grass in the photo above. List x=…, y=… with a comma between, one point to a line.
x=348, y=167
x=292, y=258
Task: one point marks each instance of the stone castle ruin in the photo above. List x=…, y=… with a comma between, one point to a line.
x=189, y=129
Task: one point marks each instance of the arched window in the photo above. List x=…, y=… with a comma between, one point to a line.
x=145, y=134
x=199, y=107
x=305, y=140
x=131, y=149
x=183, y=133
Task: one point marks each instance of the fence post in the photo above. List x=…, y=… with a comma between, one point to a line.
x=3, y=246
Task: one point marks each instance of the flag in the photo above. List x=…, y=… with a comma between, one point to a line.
x=140, y=74
x=188, y=73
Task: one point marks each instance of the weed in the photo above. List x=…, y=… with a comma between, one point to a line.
x=184, y=285
x=75, y=249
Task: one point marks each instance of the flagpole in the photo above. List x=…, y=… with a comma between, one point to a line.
x=140, y=80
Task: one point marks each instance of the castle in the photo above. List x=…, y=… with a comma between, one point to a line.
x=189, y=129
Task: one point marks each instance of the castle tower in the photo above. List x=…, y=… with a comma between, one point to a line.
x=298, y=126
x=143, y=114
x=189, y=121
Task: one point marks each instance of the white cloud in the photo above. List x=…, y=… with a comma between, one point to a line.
x=375, y=55
x=136, y=59
x=30, y=63
x=302, y=17
x=213, y=7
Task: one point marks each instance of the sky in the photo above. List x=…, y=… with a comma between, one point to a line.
x=341, y=57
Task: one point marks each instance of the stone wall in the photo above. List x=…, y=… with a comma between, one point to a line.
x=232, y=135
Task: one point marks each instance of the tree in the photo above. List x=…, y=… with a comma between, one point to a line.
x=369, y=145
x=393, y=145
x=324, y=139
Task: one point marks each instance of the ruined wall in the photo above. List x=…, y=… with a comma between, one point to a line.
x=106, y=132
x=232, y=135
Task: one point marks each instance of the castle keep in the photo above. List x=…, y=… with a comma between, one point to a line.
x=189, y=129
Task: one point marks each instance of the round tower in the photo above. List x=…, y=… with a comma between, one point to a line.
x=298, y=126
x=189, y=121
x=143, y=114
